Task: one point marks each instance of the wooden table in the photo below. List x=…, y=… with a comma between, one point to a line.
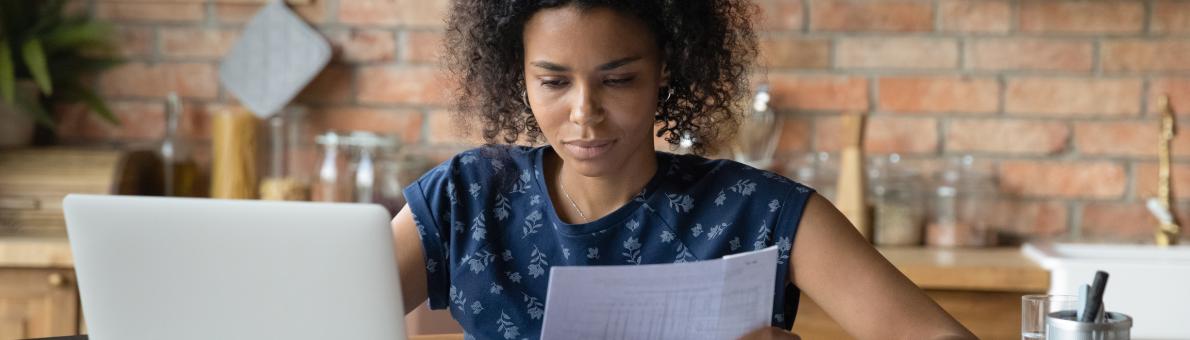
x=980, y=287
x=414, y=337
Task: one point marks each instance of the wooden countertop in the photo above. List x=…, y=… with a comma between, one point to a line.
x=981, y=269
x=40, y=250
x=990, y=269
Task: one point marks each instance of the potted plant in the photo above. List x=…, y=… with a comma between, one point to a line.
x=46, y=56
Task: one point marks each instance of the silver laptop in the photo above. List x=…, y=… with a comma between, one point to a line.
x=175, y=268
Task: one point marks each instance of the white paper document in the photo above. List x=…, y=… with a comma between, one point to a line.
x=714, y=299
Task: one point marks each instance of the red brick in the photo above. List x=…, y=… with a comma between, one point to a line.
x=1171, y=16
x=909, y=53
x=406, y=124
x=856, y=15
x=138, y=79
x=1073, y=96
x=882, y=135
x=781, y=14
x=402, y=85
x=1030, y=219
x=1119, y=16
x=150, y=11
x=939, y=94
x=139, y=120
x=424, y=13
x=1145, y=178
x=1099, y=180
x=1178, y=90
x=991, y=16
x=1030, y=54
x=1125, y=139
x=443, y=129
x=134, y=41
x=819, y=92
x=1123, y=222
x=209, y=43
x=1145, y=56
x=365, y=45
x=238, y=13
x=1116, y=138
x=1007, y=136
x=787, y=52
x=421, y=46
x=332, y=85
x=795, y=135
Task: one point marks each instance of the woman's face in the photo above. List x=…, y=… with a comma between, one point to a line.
x=592, y=78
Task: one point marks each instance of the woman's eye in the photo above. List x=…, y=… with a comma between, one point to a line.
x=618, y=81
x=553, y=84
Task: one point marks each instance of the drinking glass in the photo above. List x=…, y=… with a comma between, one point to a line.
x=1034, y=308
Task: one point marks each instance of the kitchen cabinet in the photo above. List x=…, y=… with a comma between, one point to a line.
x=38, y=302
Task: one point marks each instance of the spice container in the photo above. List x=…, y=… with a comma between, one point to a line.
x=896, y=199
x=286, y=171
x=364, y=167
x=961, y=206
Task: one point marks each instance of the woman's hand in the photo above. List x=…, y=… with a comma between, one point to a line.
x=770, y=333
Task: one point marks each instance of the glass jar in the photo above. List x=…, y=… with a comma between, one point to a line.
x=759, y=133
x=898, y=214
x=963, y=198
x=816, y=170
x=364, y=167
x=286, y=175
x=331, y=182
x=395, y=171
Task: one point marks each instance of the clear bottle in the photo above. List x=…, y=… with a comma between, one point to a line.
x=330, y=185
x=759, y=132
x=180, y=174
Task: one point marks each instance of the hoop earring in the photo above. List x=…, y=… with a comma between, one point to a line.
x=669, y=94
x=661, y=105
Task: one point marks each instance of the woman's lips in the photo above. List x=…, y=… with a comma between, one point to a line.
x=588, y=149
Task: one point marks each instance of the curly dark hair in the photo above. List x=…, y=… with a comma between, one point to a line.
x=708, y=48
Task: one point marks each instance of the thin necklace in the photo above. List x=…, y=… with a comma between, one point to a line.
x=580, y=211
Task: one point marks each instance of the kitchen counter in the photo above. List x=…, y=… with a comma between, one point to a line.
x=969, y=269
x=992, y=269
x=35, y=250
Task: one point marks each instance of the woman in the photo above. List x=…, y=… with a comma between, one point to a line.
x=594, y=79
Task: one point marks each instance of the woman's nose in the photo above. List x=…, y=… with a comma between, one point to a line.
x=586, y=109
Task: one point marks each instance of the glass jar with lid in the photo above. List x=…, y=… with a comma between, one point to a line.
x=961, y=206
x=896, y=198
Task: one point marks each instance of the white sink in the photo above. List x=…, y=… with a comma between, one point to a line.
x=1149, y=283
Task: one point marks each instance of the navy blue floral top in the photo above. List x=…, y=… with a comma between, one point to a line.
x=490, y=232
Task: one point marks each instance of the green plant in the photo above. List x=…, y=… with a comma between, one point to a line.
x=57, y=51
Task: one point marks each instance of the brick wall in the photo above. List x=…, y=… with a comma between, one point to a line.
x=1059, y=97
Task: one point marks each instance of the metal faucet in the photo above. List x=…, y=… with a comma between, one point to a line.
x=1168, y=231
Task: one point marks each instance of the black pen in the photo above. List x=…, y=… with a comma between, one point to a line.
x=1095, y=299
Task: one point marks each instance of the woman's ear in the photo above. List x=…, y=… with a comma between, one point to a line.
x=664, y=81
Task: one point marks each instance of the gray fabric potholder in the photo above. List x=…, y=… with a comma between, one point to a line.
x=276, y=56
